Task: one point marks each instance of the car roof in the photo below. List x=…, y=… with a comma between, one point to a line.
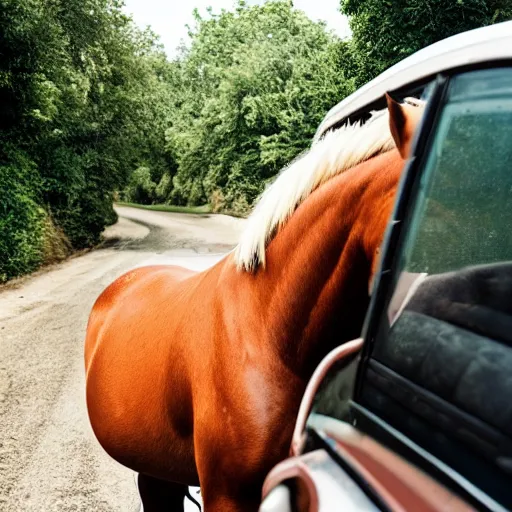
x=491, y=43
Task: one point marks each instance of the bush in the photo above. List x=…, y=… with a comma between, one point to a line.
x=85, y=218
x=56, y=245
x=164, y=188
x=141, y=189
x=21, y=218
x=83, y=101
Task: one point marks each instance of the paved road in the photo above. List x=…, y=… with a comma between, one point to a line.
x=49, y=458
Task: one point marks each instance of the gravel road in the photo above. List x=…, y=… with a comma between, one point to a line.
x=49, y=458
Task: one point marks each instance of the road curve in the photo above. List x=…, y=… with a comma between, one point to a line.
x=49, y=458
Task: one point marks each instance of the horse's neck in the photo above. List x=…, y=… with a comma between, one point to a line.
x=313, y=293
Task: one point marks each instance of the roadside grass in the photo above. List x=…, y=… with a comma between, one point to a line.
x=168, y=207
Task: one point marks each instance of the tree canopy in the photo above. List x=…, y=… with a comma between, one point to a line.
x=91, y=108
x=385, y=32
x=255, y=83
x=83, y=102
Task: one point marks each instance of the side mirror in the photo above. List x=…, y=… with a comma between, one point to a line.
x=291, y=486
x=313, y=482
x=279, y=499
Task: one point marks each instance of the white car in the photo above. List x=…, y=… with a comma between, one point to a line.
x=417, y=413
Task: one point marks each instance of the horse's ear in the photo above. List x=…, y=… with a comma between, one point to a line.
x=403, y=120
x=396, y=121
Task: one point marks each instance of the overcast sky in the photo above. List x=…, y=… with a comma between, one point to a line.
x=169, y=17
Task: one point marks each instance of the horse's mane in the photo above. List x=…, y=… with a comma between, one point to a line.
x=338, y=151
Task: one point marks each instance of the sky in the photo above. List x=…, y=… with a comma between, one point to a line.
x=168, y=17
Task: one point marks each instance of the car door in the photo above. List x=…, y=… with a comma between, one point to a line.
x=421, y=419
x=435, y=382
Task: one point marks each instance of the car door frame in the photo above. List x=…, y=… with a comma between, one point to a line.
x=385, y=282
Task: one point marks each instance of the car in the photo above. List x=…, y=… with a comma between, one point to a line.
x=417, y=413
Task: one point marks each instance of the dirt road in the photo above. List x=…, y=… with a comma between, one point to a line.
x=49, y=458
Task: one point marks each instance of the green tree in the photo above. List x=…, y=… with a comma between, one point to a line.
x=385, y=32
x=83, y=99
x=255, y=84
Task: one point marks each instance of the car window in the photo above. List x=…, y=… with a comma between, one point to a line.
x=467, y=181
x=441, y=367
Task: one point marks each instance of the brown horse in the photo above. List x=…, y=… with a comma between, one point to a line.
x=196, y=378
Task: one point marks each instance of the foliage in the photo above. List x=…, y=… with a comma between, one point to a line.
x=83, y=102
x=91, y=109
x=21, y=218
x=141, y=188
x=385, y=32
x=254, y=85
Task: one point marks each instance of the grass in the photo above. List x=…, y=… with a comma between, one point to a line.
x=168, y=208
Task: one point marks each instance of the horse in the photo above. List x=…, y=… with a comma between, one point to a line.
x=196, y=378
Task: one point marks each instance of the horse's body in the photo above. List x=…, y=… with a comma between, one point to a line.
x=196, y=378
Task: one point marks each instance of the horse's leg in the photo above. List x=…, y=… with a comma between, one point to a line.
x=222, y=490
x=159, y=495
x=230, y=504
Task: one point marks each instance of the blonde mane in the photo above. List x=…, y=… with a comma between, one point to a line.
x=335, y=153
